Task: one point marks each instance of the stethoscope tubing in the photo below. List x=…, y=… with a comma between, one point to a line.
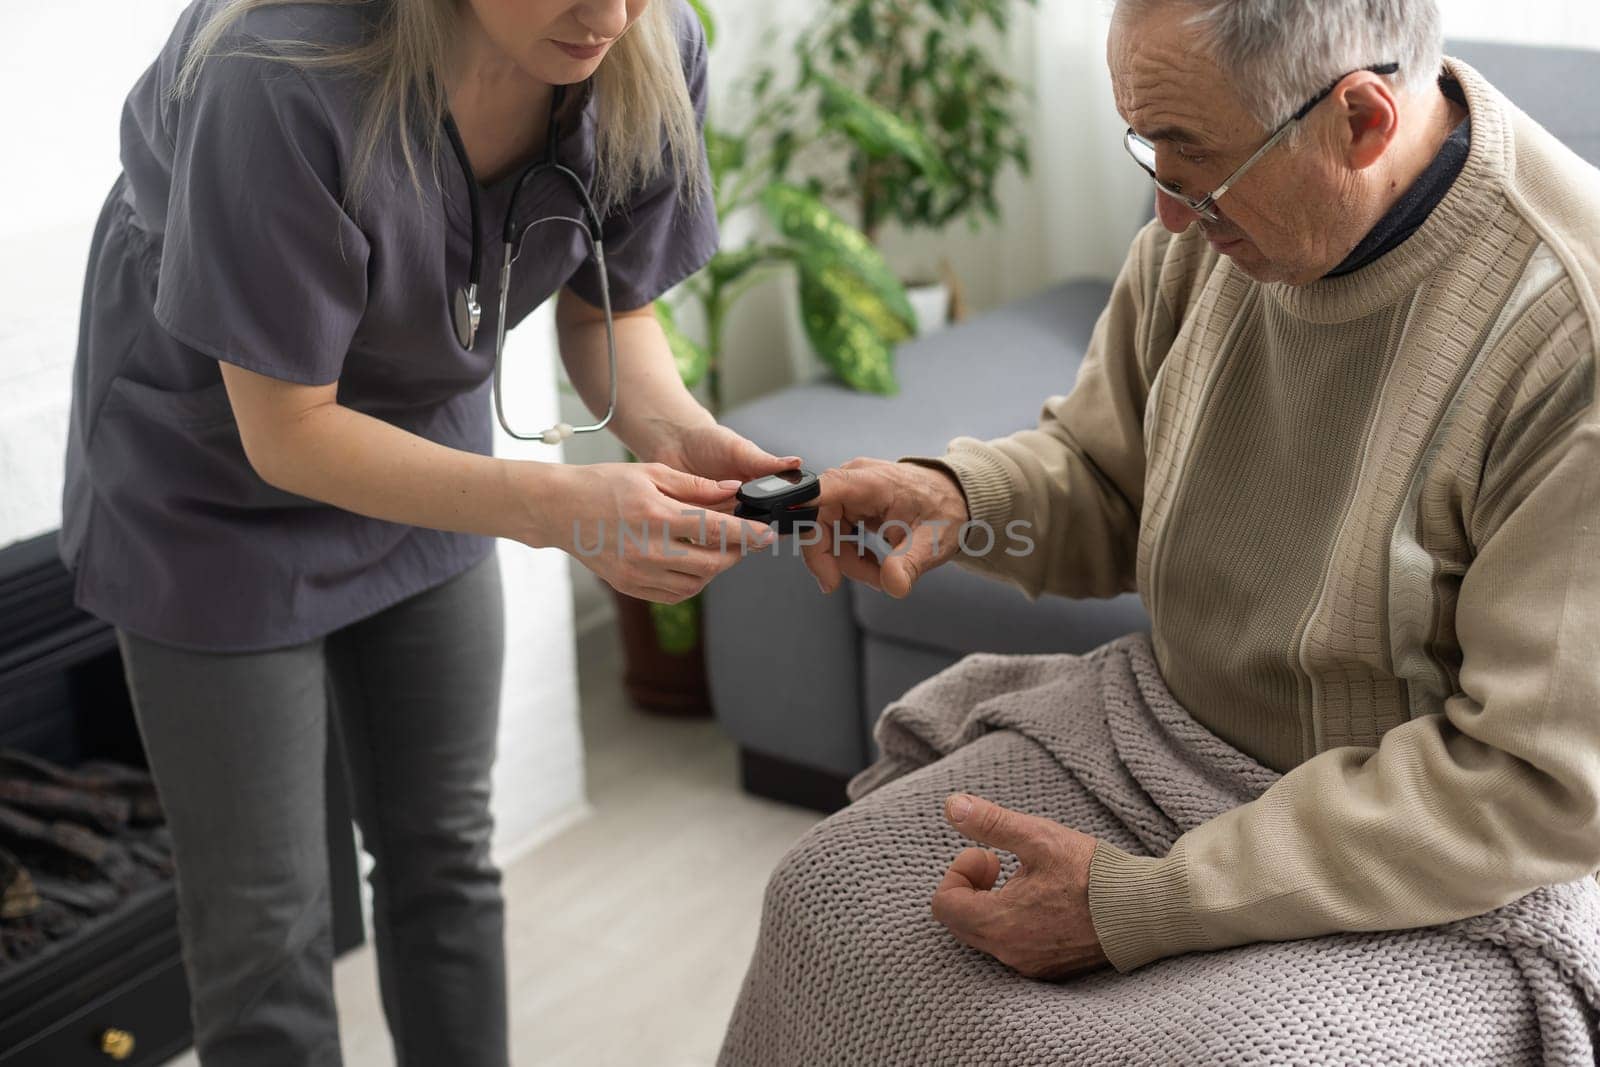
x=512, y=239
x=559, y=432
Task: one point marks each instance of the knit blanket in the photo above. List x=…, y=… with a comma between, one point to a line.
x=852, y=969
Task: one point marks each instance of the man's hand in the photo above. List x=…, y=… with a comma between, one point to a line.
x=1038, y=922
x=918, y=511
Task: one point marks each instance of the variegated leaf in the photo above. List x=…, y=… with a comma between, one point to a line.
x=880, y=132
x=677, y=625
x=851, y=328
x=705, y=20
x=821, y=234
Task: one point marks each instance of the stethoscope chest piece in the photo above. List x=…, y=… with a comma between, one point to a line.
x=465, y=311
x=467, y=314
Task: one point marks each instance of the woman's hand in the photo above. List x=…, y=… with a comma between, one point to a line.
x=657, y=418
x=713, y=451
x=646, y=529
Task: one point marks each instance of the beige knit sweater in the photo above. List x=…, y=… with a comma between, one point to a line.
x=1364, y=515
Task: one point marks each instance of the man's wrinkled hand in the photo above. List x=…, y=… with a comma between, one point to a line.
x=1038, y=923
x=917, y=511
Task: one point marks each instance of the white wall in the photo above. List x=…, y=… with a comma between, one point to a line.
x=539, y=778
x=65, y=67
x=62, y=162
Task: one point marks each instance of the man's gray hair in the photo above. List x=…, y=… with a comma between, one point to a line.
x=1281, y=53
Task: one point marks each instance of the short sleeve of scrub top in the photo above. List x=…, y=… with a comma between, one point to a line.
x=229, y=237
x=262, y=267
x=659, y=238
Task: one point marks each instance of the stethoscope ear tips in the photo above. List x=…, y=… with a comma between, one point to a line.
x=558, y=433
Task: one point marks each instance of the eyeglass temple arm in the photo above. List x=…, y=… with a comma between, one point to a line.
x=1217, y=193
x=1294, y=120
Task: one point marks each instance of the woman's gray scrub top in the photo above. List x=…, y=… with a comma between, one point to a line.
x=227, y=238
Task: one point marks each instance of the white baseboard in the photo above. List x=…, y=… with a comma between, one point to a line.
x=508, y=852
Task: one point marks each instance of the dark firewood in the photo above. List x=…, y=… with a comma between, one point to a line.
x=90, y=898
x=18, y=896
x=20, y=939
x=95, y=776
x=106, y=812
x=64, y=849
x=153, y=856
x=132, y=783
x=26, y=937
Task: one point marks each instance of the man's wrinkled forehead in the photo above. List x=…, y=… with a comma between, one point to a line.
x=1167, y=87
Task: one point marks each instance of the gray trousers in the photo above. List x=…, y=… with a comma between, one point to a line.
x=237, y=744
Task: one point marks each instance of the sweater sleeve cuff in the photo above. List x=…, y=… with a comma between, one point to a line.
x=1141, y=907
x=985, y=480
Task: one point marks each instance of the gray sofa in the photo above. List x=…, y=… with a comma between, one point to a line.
x=798, y=679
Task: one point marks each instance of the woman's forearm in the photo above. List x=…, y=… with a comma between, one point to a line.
x=653, y=407
x=359, y=463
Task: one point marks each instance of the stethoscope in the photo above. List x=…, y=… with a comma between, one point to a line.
x=465, y=310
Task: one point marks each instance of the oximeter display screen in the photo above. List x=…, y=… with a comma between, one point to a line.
x=774, y=499
x=772, y=483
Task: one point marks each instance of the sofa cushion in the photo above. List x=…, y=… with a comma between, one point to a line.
x=954, y=610
x=985, y=378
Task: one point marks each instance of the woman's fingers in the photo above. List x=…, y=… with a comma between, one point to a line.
x=704, y=526
x=679, y=554
x=660, y=594
x=690, y=488
x=752, y=461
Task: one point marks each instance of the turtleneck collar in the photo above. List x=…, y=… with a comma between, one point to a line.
x=1417, y=203
x=1456, y=218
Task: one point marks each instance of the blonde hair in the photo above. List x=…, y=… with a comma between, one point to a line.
x=646, y=120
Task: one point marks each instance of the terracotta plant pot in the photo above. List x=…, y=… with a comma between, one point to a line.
x=666, y=683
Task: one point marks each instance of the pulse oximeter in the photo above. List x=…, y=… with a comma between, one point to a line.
x=778, y=500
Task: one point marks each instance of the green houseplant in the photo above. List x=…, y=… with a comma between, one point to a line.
x=930, y=63
x=853, y=308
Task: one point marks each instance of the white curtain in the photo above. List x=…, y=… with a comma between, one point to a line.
x=1089, y=196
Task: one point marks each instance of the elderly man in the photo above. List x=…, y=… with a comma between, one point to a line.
x=1338, y=427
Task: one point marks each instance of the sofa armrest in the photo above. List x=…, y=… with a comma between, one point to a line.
x=785, y=663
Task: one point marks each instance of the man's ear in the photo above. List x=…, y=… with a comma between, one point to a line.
x=1369, y=119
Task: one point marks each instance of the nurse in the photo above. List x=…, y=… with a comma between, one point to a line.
x=279, y=481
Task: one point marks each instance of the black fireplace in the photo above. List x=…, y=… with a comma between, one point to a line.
x=101, y=984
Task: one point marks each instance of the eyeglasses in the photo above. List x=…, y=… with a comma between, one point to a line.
x=1144, y=153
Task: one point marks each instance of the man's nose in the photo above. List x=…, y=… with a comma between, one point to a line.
x=1174, y=214
x=603, y=18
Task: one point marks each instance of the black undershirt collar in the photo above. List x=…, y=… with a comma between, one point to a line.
x=1413, y=209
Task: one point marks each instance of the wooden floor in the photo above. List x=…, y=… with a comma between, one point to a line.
x=629, y=932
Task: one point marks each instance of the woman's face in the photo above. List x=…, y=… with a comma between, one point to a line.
x=559, y=42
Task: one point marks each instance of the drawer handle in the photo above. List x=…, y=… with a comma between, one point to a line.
x=118, y=1044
